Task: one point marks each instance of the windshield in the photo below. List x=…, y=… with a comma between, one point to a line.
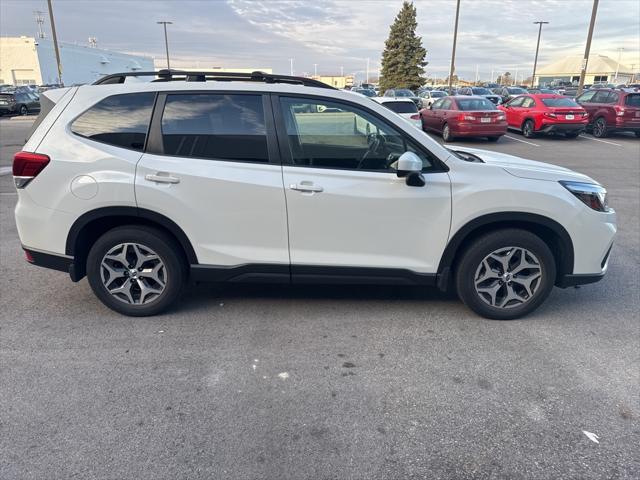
x=480, y=91
x=559, y=102
x=633, y=100
x=516, y=90
x=438, y=94
x=474, y=104
x=405, y=93
x=401, y=107
x=366, y=92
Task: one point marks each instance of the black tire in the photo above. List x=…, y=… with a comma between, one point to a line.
x=528, y=129
x=572, y=134
x=23, y=110
x=446, y=133
x=167, y=249
x=599, y=129
x=471, y=262
x=637, y=134
x=493, y=139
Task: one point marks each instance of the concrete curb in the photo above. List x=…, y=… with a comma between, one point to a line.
x=24, y=117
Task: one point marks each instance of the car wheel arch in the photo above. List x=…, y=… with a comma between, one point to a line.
x=91, y=225
x=550, y=231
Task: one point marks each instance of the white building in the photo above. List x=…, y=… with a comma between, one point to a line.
x=25, y=60
x=599, y=69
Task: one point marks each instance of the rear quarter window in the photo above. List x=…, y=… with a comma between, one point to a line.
x=633, y=100
x=119, y=120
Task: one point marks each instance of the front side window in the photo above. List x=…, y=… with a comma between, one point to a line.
x=215, y=126
x=120, y=120
x=325, y=134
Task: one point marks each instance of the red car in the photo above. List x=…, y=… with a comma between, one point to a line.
x=611, y=111
x=545, y=113
x=464, y=116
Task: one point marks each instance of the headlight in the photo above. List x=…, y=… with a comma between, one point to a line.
x=592, y=195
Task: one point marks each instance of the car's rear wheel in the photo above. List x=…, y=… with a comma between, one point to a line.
x=528, y=129
x=136, y=270
x=600, y=128
x=505, y=274
x=493, y=139
x=446, y=133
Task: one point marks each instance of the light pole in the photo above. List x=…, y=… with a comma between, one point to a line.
x=166, y=42
x=618, y=65
x=367, y=70
x=315, y=69
x=585, y=60
x=291, y=65
x=535, y=61
x=453, y=53
x=55, y=42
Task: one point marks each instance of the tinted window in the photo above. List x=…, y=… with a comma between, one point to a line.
x=120, y=120
x=481, y=91
x=475, y=104
x=405, y=93
x=613, y=97
x=341, y=136
x=516, y=102
x=516, y=90
x=437, y=105
x=528, y=102
x=559, y=102
x=633, y=100
x=446, y=104
x=438, y=94
x=600, y=96
x=401, y=107
x=225, y=127
x=587, y=96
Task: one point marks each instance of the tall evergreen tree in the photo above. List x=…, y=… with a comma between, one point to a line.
x=403, y=57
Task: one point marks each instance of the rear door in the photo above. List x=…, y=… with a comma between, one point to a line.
x=211, y=166
x=346, y=205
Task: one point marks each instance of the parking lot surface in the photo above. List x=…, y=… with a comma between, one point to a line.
x=319, y=382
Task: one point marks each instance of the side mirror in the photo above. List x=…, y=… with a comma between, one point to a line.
x=408, y=163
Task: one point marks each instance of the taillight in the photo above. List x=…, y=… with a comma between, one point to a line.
x=550, y=115
x=415, y=117
x=619, y=110
x=27, y=166
x=501, y=116
x=28, y=256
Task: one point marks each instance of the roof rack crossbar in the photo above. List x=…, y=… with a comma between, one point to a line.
x=189, y=76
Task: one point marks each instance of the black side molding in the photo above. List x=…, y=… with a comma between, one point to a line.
x=574, y=280
x=49, y=260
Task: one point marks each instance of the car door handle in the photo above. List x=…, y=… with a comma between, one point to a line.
x=162, y=177
x=306, y=187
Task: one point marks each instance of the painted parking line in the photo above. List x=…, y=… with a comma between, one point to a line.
x=598, y=140
x=523, y=141
x=5, y=170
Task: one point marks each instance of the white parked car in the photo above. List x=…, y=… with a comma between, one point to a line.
x=404, y=107
x=429, y=97
x=147, y=187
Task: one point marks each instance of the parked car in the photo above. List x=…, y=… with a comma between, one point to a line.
x=611, y=111
x=545, y=113
x=481, y=92
x=148, y=188
x=404, y=93
x=19, y=102
x=507, y=93
x=464, y=117
x=543, y=90
x=430, y=96
x=403, y=107
x=367, y=92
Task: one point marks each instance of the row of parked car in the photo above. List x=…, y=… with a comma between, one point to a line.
x=471, y=114
x=21, y=100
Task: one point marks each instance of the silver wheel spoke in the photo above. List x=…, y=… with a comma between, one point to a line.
x=508, y=277
x=133, y=273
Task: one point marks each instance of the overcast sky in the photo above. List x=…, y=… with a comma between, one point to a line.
x=493, y=34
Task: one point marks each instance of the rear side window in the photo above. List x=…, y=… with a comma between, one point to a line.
x=119, y=120
x=600, y=96
x=215, y=126
x=633, y=100
x=401, y=107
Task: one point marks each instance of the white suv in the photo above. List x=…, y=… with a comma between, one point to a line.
x=146, y=186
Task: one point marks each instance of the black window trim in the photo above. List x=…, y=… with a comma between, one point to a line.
x=146, y=138
x=438, y=165
x=155, y=145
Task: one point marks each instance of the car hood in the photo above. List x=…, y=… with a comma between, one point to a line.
x=521, y=167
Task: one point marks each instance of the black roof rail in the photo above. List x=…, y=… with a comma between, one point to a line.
x=188, y=76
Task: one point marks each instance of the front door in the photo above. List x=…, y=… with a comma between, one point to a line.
x=346, y=205
x=210, y=168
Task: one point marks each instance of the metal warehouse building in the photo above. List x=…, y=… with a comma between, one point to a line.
x=599, y=69
x=29, y=60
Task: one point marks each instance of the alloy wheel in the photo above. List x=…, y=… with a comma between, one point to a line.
x=508, y=277
x=133, y=273
x=527, y=129
x=599, y=128
x=23, y=110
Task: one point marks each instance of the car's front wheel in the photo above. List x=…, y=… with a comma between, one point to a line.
x=136, y=270
x=505, y=274
x=23, y=110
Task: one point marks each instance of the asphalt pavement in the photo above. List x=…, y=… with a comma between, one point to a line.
x=326, y=382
